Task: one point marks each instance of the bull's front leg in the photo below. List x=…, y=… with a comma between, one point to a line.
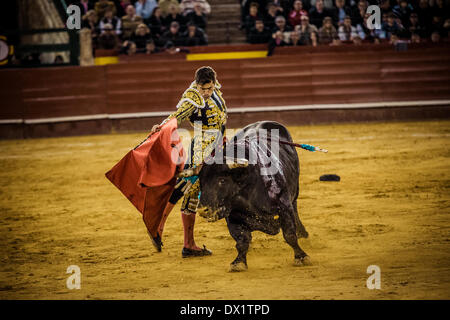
x=242, y=235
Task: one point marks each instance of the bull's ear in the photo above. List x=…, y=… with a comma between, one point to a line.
x=233, y=163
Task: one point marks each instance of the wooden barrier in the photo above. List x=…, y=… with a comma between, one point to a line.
x=137, y=93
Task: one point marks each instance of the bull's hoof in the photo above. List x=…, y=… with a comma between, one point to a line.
x=301, y=262
x=302, y=234
x=238, y=267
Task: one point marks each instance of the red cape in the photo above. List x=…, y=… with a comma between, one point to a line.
x=147, y=174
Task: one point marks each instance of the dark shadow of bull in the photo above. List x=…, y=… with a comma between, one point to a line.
x=254, y=184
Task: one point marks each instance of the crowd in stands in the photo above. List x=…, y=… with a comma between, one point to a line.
x=334, y=22
x=145, y=26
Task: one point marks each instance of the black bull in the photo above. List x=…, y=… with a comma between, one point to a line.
x=257, y=192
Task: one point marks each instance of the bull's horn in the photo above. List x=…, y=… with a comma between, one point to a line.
x=190, y=172
x=236, y=163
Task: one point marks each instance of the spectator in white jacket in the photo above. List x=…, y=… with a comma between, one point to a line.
x=144, y=8
x=187, y=6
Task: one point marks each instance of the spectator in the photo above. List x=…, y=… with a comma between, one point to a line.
x=357, y=40
x=144, y=9
x=425, y=14
x=141, y=36
x=128, y=48
x=259, y=34
x=194, y=36
x=391, y=26
x=340, y=12
x=403, y=11
x=109, y=18
x=157, y=23
x=90, y=21
x=437, y=24
x=435, y=37
x=273, y=11
x=296, y=13
x=294, y=39
x=108, y=40
x=415, y=38
x=308, y=32
x=187, y=6
x=250, y=19
x=85, y=6
x=371, y=35
x=151, y=48
x=276, y=41
x=441, y=9
x=347, y=32
x=414, y=27
x=327, y=4
x=198, y=17
x=280, y=25
x=284, y=6
x=174, y=15
x=102, y=5
x=130, y=21
x=328, y=34
x=359, y=12
x=173, y=35
x=165, y=6
x=318, y=13
x=122, y=7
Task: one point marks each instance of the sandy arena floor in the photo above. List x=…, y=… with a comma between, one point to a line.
x=391, y=209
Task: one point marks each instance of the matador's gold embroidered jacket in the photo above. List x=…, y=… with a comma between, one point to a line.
x=208, y=118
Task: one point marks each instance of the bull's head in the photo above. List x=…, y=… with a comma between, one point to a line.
x=220, y=184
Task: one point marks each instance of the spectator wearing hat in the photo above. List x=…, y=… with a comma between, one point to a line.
x=347, y=32
x=308, y=32
x=109, y=18
x=194, y=36
x=130, y=21
x=260, y=33
x=296, y=13
x=173, y=35
x=108, y=40
x=198, y=17
x=327, y=33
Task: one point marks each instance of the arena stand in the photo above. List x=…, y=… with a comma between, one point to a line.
x=295, y=86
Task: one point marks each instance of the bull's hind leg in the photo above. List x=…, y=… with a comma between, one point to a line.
x=300, y=230
x=242, y=236
x=289, y=228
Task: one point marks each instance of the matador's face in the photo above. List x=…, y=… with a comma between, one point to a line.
x=206, y=89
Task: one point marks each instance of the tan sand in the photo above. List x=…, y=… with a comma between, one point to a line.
x=391, y=209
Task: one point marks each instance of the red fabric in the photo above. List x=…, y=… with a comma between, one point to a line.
x=146, y=175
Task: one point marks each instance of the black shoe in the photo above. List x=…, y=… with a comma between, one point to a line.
x=186, y=253
x=156, y=241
